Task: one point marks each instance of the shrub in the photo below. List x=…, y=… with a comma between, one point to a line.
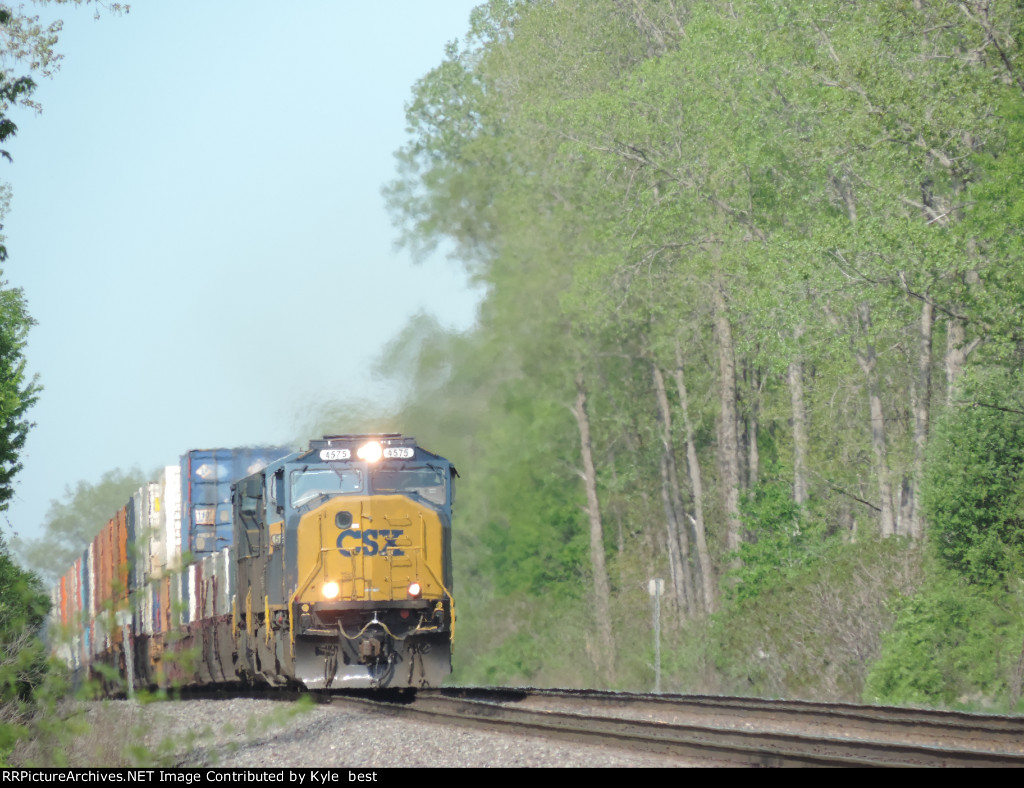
x=972, y=496
x=23, y=664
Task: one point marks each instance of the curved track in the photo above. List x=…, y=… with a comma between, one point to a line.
x=731, y=730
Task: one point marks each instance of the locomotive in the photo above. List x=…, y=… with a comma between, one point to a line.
x=324, y=568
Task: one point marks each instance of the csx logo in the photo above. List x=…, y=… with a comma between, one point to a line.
x=370, y=542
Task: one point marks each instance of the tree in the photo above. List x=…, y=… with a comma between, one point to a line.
x=952, y=641
x=973, y=496
x=29, y=45
x=775, y=207
x=25, y=43
x=17, y=392
x=23, y=609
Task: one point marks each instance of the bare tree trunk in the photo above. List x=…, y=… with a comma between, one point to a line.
x=703, y=563
x=957, y=351
x=728, y=447
x=605, y=660
x=620, y=533
x=677, y=539
x=676, y=552
x=922, y=408
x=800, y=442
x=753, y=456
x=868, y=363
x=631, y=437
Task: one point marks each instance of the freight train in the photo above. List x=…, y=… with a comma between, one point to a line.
x=324, y=568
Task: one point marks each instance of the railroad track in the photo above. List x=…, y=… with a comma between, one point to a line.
x=725, y=730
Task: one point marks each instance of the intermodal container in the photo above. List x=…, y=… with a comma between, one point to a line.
x=206, y=479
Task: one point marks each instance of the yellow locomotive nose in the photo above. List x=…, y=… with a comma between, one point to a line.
x=370, y=548
x=372, y=595
x=370, y=520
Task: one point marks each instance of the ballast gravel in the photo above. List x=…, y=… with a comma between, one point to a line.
x=270, y=734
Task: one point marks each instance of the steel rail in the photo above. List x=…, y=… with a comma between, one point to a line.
x=965, y=729
x=505, y=710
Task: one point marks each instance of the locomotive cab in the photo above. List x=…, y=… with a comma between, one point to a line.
x=344, y=565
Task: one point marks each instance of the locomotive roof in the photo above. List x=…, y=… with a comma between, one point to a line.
x=383, y=438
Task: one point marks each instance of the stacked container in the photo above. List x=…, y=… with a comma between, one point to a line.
x=206, y=479
x=206, y=521
x=162, y=564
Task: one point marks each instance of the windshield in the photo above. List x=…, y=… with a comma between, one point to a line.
x=428, y=483
x=310, y=483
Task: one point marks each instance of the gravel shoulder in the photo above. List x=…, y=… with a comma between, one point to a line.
x=271, y=734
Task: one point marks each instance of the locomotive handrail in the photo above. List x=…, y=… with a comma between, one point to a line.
x=299, y=588
x=443, y=588
x=291, y=623
x=305, y=583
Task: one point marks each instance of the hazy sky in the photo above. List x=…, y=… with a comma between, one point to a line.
x=198, y=227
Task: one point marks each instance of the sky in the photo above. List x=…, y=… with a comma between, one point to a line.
x=197, y=224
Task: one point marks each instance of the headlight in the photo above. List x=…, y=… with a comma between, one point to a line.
x=370, y=452
x=415, y=590
x=331, y=590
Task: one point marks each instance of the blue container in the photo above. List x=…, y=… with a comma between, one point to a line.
x=206, y=479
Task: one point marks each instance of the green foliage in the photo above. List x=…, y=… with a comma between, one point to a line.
x=535, y=536
x=995, y=218
x=628, y=180
x=783, y=540
x=519, y=659
x=25, y=44
x=972, y=493
x=23, y=668
x=29, y=45
x=815, y=633
x=10, y=93
x=23, y=603
x=960, y=640
x=17, y=393
x=532, y=641
x=954, y=644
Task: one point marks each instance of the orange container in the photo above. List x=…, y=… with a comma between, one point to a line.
x=121, y=558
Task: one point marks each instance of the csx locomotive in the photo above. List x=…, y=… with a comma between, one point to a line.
x=328, y=568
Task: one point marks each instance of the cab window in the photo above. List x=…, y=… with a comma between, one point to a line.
x=313, y=482
x=428, y=483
